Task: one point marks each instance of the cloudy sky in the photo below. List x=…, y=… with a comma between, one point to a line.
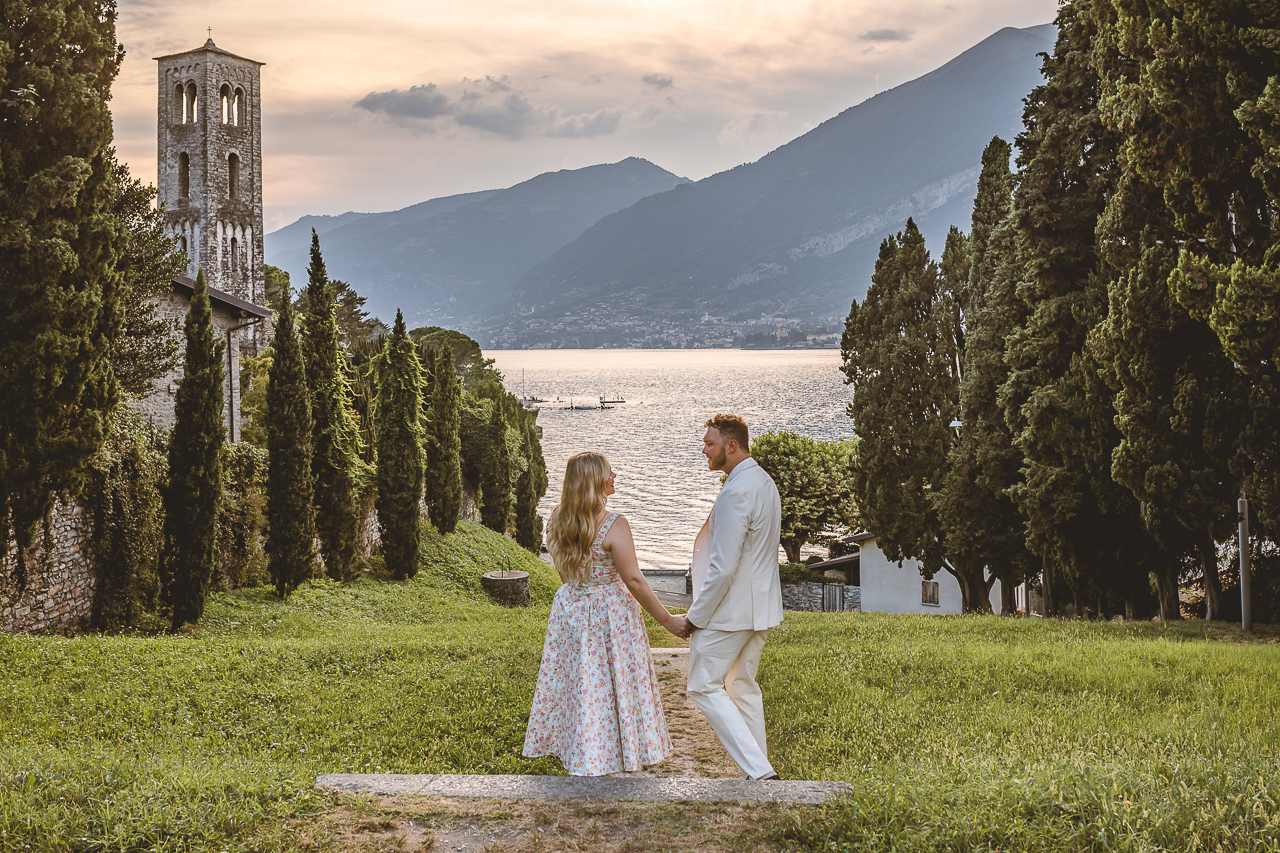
x=379, y=104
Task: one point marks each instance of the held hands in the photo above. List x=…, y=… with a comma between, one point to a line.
x=680, y=627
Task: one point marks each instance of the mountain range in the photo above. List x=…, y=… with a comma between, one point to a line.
x=794, y=234
x=459, y=257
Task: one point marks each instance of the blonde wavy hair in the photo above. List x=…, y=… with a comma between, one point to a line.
x=571, y=529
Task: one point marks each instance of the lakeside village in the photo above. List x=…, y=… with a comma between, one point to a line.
x=596, y=326
x=255, y=539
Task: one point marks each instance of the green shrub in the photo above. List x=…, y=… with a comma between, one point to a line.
x=124, y=488
x=242, y=518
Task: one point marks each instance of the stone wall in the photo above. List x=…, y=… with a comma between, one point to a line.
x=158, y=408
x=808, y=596
x=60, y=586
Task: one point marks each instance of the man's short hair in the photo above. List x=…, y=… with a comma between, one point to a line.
x=731, y=427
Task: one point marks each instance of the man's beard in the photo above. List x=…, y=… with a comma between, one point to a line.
x=719, y=460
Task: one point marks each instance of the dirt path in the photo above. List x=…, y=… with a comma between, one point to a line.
x=697, y=751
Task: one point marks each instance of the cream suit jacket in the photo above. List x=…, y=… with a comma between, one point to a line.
x=739, y=588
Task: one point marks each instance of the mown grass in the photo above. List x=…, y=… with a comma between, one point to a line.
x=958, y=734
x=966, y=734
x=190, y=742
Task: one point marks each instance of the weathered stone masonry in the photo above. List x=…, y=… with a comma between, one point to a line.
x=60, y=582
x=209, y=167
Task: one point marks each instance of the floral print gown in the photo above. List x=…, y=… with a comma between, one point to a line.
x=597, y=706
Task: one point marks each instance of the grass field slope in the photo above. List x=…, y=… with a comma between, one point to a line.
x=956, y=733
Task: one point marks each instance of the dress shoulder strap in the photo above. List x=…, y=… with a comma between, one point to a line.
x=605, y=525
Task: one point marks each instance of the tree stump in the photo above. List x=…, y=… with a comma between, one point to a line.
x=510, y=589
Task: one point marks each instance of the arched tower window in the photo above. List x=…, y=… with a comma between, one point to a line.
x=224, y=99
x=237, y=105
x=235, y=254
x=233, y=175
x=184, y=243
x=179, y=102
x=192, y=113
x=184, y=175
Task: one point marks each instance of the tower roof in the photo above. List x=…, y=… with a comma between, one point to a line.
x=208, y=47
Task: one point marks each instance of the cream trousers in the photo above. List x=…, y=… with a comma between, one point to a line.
x=722, y=683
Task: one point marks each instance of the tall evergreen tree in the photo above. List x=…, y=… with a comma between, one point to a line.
x=495, y=472
x=430, y=449
x=531, y=485
x=1180, y=433
x=899, y=354
x=984, y=526
x=1058, y=409
x=1193, y=89
x=195, y=465
x=400, y=467
x=335, y=443
x=446, y=425
x=60, y=241
x=290, y=484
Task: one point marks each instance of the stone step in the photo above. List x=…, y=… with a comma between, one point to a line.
x=584, y=788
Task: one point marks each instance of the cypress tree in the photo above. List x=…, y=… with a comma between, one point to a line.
x=531, y=485
x=1179, y=432
x=290, y=514
x=1057, y=406
x=495, y=472
x=430, y=450
x=400, y=468
x=60, y=290
x=899, y=354
x=335, y=459
x=1193, y=90
x=984, y=526
x=195, y=465
x=446, y=425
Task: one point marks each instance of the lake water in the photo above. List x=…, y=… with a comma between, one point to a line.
x=654, y=440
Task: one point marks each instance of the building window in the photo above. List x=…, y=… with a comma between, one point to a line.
x=237, y=104
x=179, y=104
x=184, y=175
x=224, y=99
x=233, y=175
x=929, y=592
x=190, y=113
x=184, y=243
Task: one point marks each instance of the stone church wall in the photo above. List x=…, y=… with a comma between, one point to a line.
x=60, y=582
x=158, y=408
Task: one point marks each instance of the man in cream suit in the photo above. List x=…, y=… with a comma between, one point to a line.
x=737, y=598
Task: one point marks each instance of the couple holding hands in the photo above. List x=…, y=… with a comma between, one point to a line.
x=597, y=706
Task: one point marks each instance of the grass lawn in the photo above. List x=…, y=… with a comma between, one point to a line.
x=956, y=733
x=982, y=733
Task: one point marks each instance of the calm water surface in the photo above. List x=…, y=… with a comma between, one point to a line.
x=654, y=440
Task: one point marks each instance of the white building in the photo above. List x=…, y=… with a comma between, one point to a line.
x=889, y=588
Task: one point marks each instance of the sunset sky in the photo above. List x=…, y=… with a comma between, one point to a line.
x=380, y=104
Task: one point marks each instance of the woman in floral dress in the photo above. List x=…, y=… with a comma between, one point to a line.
x=597, y=706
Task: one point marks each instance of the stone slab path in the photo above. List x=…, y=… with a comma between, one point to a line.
x=582, y=788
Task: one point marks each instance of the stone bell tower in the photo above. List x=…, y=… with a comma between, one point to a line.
x=210, y=165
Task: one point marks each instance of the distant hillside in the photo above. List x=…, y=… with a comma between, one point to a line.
x=797, y=232
x=450, y=259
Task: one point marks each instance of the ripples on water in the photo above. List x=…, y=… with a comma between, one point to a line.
x=654, y=440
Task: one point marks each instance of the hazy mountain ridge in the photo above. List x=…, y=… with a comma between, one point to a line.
x=793, y=234
x=458, y=256
x=798, y=230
